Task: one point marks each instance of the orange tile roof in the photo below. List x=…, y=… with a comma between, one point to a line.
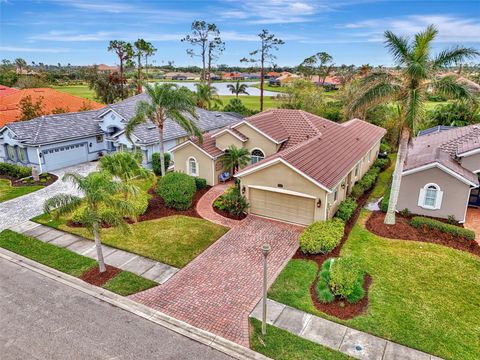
x=5, y=90
x=52, y=99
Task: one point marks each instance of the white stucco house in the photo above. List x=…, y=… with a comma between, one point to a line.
x=56, y=141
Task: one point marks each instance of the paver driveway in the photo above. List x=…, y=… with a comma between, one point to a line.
x=23, y=208
x=217, y=290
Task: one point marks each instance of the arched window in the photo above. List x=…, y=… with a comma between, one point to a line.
x=430, y=197
x=257, y=155
x=192, y=167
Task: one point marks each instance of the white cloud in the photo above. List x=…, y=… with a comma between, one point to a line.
x=68, y=36
x=29, y=49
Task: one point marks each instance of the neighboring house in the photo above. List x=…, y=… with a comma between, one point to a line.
x=52, y=100
x=435, y=129
x=181, y=76
x=5, y=90
x=106, y=69
x=302, y=167
x=55, y=141
x=440, y=174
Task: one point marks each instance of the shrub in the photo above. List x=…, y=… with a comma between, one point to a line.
x=322, y=236
x=452, y=220
x=344, y=276
x=346, y=209
x=218, y=203
x=368, y=180
x=386, y=199
x=381, y=163
x=177, y=190
x=405, y=212
x=357, y=191
x=423, y=222
x=15, y=171
x=324, y=293
x=200, y=183
x=385, y=148
x=156, y=166
x=234, y=202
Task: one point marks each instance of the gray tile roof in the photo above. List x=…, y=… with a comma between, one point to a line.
x=62, y=127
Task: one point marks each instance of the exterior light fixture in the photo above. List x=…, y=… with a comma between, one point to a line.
x=319, y=203
x=243, y=190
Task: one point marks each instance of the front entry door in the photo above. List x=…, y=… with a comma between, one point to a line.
x=474, y=198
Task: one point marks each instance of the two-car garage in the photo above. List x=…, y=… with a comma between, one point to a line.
x=63, y=156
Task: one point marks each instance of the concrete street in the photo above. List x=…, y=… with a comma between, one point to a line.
x=43, y=319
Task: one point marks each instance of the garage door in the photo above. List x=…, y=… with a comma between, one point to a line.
x=281, y=206
x=64, y=156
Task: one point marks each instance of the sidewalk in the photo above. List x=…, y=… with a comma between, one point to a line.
x=124, y=260
x=354, y=343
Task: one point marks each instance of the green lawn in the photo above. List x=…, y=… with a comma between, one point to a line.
x=253, y=102
x=424, y=296
x=383, y=180
x=78, y=90
x=8, y=192
x=279, y=344
x=174, y=240
x=125, y=283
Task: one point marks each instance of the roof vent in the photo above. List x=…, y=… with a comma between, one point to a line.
x=217, y=115
x=151, y=127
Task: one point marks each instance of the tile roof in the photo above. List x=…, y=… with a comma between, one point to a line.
x=5, y=90
x=444, y=147
x=435, y=129
x=208, y=145
x=52, y=99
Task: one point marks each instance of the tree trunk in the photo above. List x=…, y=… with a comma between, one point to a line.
x=98, y=246
x=397, y=177
x=139, y=75
x=121, y=78
x=203, y=60
x=262, y=76
x=146, y=67
x=160, y=143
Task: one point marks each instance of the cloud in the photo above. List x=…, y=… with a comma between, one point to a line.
x=68, y=36
x=29, y=49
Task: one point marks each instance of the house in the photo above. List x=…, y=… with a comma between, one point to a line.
x=5, y=90
x=52, y=101
x=302, y=165
x=106, y=69
x=232, y=76
x=179, y=76
x=52, y=142
x=440, y=173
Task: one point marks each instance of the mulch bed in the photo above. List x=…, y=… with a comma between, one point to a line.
x=156, y=209
x=404, y=231
x=94, y=277
x=18, y=182
x=226, y=214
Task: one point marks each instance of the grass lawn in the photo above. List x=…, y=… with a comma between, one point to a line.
x=383, y=179
x=174, y=240
x=253, y=102
x=281, y=345
x=423, y=295
x=125, y=283
x=78, y=90
x=8, y=192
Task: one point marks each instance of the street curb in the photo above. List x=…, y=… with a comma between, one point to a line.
x=204, y=337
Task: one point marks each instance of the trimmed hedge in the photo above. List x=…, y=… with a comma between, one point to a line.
x=420, y=222
x=381, y=163
x=346, y=209
x=200, y=183
x=156, y=165
x=365, y=183
x=177, y=190
x=232, y=201
x=322, y=236
x=15, y=171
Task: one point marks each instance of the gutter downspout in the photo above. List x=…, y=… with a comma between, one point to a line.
x=39, y=159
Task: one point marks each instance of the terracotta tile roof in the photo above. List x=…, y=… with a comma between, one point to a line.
x=52, y=99
x=444, y=148
x=233, y=131
x=5, y=90
x=208, y=145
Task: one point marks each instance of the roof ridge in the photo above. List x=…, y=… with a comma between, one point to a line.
x=41, y=122
x=309, y=122
x=459, y=139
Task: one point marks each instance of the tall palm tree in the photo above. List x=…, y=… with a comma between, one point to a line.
x=98, y=190
x=417, y=75
x=235, y=158
x=238, y=88
x=167, y=101
x=206, y=96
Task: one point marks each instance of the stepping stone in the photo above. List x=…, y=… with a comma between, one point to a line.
x=324, y=332
x=119, y=258
x=166, y=275
x=64, y=240
x=37, y=231
x=81, y=246
x=139, y=265
x=50, y=235
x=363, y=346
x=156, y=271
x=292, y=320
x=274, y=309
x=25, y=226
x=92, y=252
x=399, y=352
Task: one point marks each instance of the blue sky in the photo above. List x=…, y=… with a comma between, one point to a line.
x=78, y=31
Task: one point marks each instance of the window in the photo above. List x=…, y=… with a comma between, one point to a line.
x=99, y=138
x=335, y=195
x=22, y=154
x=192, y=167
x=11, y=152
x=430, y=197
x=257, y=155
x=356, y=170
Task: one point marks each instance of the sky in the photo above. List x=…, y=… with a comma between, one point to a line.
x=78, y=31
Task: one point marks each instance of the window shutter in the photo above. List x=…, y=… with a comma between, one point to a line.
x=438, y=203
x=421, y=197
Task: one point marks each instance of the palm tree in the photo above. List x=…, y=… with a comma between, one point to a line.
x=20, y=64
x=206, y=96
x=408, y=86
x=99, y=190
x=235, y=158
x=238, y=88
x=167, y=101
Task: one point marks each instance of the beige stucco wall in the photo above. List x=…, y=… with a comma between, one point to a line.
x=281, y=174
x=204, y=163
x=471, y=162
x=455, y=194
x=226, y=139
x=257, y=140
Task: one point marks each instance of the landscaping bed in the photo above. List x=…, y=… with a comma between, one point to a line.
x=228, y=215
x=404, y=231
x=95, y=277
x=231, y=204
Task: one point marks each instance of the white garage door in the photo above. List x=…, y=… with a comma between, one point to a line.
x=281, y=206
x=64, y=156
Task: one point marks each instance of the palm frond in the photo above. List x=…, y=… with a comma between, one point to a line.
x=61, y=204
x=379, y=93
x=421, y=48
x=454, y=55
x=449, y=87
x=398, y=46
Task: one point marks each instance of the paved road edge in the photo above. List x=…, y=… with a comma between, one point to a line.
x=214, y=341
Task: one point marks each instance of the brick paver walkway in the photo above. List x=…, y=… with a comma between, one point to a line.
x=472, y=221
x=218, y=290
x=205, y=210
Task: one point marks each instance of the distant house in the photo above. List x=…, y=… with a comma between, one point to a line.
x=5, y=90
x=272, y=74
x=232, y=76
x=253, y=76
x=106, y=69
x=51, y=100
x=26, y=72
x=181, y=76
x=52, y=142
